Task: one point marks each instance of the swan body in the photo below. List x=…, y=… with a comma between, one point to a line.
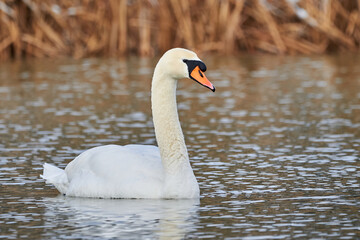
x=141, y=171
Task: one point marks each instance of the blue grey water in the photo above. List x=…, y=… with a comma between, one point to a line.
x=275, y=149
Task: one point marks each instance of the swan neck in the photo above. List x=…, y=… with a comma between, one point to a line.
x=168, y=130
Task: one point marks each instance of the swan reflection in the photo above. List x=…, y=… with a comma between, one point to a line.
x=121, y=218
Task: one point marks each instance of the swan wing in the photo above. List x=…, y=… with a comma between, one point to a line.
x=113, y=171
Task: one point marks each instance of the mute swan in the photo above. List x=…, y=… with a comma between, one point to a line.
x=141, y=171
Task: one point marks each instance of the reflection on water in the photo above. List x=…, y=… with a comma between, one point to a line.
x=121, y=218
x=275, y=149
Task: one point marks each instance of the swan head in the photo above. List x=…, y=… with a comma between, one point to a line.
x=181, y=63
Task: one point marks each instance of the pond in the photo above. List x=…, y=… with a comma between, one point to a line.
x=275, y=149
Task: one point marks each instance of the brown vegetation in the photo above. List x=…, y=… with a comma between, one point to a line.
x=147, y=27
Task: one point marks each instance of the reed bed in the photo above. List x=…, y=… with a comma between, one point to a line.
x=85, y=28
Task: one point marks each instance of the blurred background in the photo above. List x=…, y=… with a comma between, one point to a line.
x=87, y=28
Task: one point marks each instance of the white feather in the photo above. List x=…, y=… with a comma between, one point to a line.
x=55, y=176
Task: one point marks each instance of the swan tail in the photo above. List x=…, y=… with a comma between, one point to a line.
x=55, y=176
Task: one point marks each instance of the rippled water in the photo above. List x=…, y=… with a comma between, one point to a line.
x=275, y=149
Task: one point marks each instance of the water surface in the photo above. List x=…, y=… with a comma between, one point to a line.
x=275, y=149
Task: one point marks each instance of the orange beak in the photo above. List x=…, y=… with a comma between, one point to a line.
x=200, y=77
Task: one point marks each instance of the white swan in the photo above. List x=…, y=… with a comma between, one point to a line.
x=141, y=171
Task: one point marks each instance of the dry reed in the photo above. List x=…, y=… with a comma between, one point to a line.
x=147, y=27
